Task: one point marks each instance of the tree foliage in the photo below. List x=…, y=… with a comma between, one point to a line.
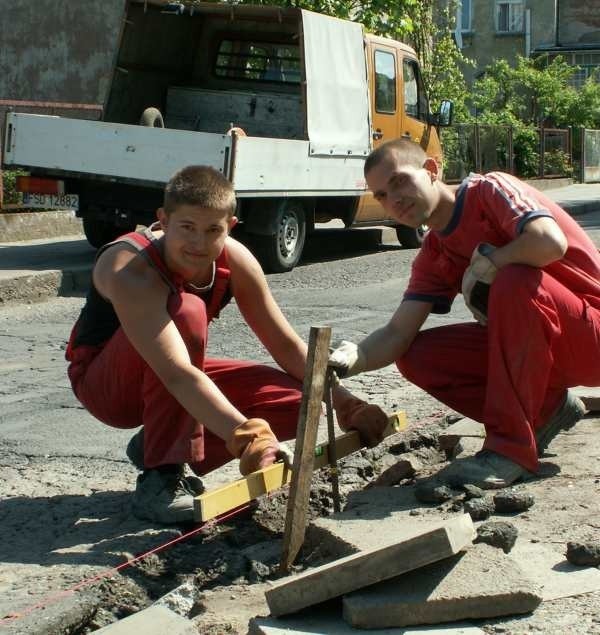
x=536, y=92
x=414, y=21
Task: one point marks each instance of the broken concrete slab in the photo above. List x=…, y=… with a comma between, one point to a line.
x=552, y=573
x=181, y=599
x=155, y=620
x=332, y=624
x=480, y=583
x=427, y=544
x=373, y=517
x=462, y=428
x=68, y=615
x=228, y=609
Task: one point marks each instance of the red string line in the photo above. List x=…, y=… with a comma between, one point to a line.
x=110, y=572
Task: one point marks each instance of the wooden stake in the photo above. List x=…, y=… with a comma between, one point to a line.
x=227, y=497
x=306, y=439
x=333, y=468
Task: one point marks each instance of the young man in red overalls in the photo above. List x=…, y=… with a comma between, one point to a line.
x=137, y=351
x=531, y=277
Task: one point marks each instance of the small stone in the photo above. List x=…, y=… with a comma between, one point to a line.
x=511, y=500
x=479, y=508
x=584, y=554
x=433, y=493
x=498, y=534
x=472, y=491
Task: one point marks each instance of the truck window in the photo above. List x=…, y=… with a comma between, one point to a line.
x=385, y=82
x=415, y=100
x=258, y=61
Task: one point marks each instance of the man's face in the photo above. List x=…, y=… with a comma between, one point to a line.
x=406, y=193
x=194, y=238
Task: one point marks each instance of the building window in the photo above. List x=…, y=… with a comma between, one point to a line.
x=385, y=82
x=464, y=15
x=510, y=16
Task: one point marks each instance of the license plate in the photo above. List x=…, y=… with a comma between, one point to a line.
x=51, y=201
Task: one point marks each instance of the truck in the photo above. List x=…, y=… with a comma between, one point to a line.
x=286, y=103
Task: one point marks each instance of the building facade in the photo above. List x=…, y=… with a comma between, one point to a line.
x=491, y=29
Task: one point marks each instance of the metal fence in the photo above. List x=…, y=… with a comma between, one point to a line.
x=534, y=153
x=590, y=156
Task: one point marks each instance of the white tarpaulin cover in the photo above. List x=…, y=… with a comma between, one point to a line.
x=336, y=86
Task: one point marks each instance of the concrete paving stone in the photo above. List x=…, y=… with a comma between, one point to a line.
x=228, y=609
x=372, y=518
x=425, y=544
x=549, y=569
x=155, y=620
x=331, y=622
x=480, y=583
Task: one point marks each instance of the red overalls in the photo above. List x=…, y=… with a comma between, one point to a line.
x=118, y=387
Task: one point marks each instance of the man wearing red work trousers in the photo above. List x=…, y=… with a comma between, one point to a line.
x=137, y=351
x=530, y=276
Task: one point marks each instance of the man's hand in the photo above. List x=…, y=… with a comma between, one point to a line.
x=368, y=420
x=347, y=359
x=254, y=443
x=477, y=280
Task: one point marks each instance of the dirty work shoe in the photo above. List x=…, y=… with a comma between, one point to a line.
x=487, y=470
x=135, y=453
x=135, y=449
x=568, y=414
x=163, y=497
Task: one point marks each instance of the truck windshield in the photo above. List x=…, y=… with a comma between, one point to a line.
x=262, y=61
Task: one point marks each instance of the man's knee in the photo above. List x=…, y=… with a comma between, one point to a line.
x=188, y=312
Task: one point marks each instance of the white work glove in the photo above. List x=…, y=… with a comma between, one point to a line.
x=477, y=280
x=347, y=359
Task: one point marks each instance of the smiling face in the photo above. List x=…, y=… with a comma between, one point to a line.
x=194, y=237
x=406, y=191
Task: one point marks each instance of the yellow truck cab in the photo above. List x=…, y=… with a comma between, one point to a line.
x=286, y=103
x=399, y=108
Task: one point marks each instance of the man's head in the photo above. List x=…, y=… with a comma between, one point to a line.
x=197, y=216
x=404, y=180
x=199, y=186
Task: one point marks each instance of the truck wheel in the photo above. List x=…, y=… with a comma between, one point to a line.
x=281, y=251
x=152, y=118
x=410, y=237
x=99, y=232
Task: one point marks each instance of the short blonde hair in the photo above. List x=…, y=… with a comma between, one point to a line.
x=199, y=185
x=410, y=153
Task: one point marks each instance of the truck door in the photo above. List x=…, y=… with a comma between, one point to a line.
x=416, y=110
x=385, y=104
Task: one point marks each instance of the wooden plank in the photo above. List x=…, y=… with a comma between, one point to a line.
x=427, y=544
x=227, y=497
x=306, y=439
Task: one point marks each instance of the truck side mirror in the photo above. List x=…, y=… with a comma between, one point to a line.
x=445, y=114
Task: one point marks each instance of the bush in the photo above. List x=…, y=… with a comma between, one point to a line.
x=10, y=194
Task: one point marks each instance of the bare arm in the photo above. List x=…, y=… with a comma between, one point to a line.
x=387, y=344
x=541, y=243
x=261, y=312
x=139, y=297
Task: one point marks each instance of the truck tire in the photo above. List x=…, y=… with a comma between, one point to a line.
x=281, y=251
x=152, y=118
x=99, y=232
x=410, y=237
